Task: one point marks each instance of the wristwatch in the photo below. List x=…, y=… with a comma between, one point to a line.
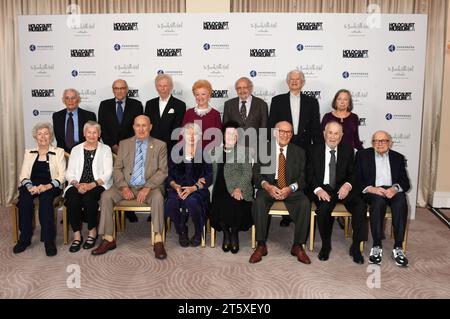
x=96, y=183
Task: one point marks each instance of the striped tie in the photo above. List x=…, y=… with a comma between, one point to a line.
x=138, y=166
x=281, y=170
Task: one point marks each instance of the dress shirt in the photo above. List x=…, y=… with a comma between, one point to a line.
x=295, y=111
x=76, y=138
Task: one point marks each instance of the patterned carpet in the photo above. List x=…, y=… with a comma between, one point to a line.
x=131, y=271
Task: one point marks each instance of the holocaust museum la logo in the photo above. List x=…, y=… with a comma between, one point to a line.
x=262, y=53
x=219, y=94
x=215, y=25
x=133, y=93
x=314, y=94
x=43, y=92
x=398, y=96
x=402, y=26
x=355, y=54
x=125, y=26
x=169, y=52
x=40, y=27
x=310, y=26
x=82, y=53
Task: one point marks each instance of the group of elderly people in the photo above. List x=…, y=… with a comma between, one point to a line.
x=176, y=181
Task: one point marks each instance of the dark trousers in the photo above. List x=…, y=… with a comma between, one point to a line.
x=179, y=211
x=355, y=206
x=399, y=209
x=76, y=203
x=46, y=214
x=298, y=206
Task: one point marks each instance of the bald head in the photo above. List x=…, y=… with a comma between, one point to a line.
x=283, y=133
x=332, y=134
x=142, y=127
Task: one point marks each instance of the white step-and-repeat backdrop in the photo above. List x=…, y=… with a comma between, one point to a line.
x=379, y=58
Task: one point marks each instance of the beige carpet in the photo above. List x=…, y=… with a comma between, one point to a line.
x=131, y=271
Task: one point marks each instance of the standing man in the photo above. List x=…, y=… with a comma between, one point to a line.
x=302, y=111
x=139, y=173
x=116, y=117
x=246, y=109
x=282, y=179
x=68, y=123
x=383, y=180
x=165, y=111
x=331, y=176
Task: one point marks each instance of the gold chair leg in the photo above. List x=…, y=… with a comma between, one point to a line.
x=405, y=238
x=208, y=225
x=204, y=237
x=311, y=231
x=213, y=237
x=115, y=214
x=346, y=229
x=65, y=226
x=164, y=233
x=15, y=223
x=122, y=220
x=253, y=237
x=168, y=224
x=361, y=247
x=152, y=234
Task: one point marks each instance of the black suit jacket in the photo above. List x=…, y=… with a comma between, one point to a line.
x=295, y=167
x=170, y=120
x=345, y=167
x=309, y=130
x=366, y=169
x=112, y=131
x=59, y=126
x=257, y=116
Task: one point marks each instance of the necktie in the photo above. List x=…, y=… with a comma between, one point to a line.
x=138, y=165
x=243, y=111
x=332, y=167
x=119, y=111
x=70, y=139
x=281, y=170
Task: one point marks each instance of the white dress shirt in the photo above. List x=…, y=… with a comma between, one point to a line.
x=295, y=110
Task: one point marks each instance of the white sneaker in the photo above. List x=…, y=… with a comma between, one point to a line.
x=376, y=254
x=399, y=257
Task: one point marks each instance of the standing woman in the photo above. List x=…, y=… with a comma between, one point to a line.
x=42, y=176
x=343, y=106
x=203, y=114
x=233, y=190
x=89, y=173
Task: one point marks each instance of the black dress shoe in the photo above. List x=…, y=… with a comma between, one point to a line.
x=196, y=240
x=234, y=242
x=356, y=254
x=131, y=216
x=285, y=221
x=324, y=253
x=226, y=242
x=50, y=249
x=183, y=240
x=90, y=242
x=20, y=247
x=76, y=245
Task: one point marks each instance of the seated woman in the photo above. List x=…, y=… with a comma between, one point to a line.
x=187, y=187
x=89, y=173
x=42, y=176
x=232, y=196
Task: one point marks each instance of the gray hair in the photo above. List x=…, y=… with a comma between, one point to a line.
x=249, y=82
x=195, y=127
x=163, y=76
x=40, y=126
x=381, y=131
x=302, y=75
x=77, y=94
x=90, y=124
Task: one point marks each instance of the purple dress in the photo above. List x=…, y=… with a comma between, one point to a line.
x=350, y=126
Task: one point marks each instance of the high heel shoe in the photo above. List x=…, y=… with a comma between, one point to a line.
x=234, y=242
x=226, y=244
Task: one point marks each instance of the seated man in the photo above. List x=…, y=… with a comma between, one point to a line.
x=281, y=179
x=139, y=173
x=383, y=180
x=331, y=176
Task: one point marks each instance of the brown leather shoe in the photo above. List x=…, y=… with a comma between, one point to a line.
x=297, y=250
x=257, y=255
x=104, y=247
x=160, y=252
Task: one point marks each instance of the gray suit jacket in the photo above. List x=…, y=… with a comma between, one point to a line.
x=155, y=163
x=257, y=117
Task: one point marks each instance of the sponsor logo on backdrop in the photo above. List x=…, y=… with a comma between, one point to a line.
x=215, y=25
x=118, y=47
x=35, y=112
x=347, y=74
x=209, y=46
x=309, y=47
x=362, y=121
x=356, y=29
x=88, y=95
x=43, y=92
x=355, y=54
x=76, y=73
x=83, y=29
x=170, y=72
x=401, y=71
x=216, y=70
x=266, y=95
x=219, y=94
x=359, y=97
x=254, y=73
x=315, y=94
x=398, y=96
x=127, y=69
x=40, y=27
x=310, y=26
x=409, y=26
x=263, y=28
x=173, y=52
x=170, y=28
x=400, y=48
x=125, y=26
x=400, y=139
x=310, y=70
x=390, y=116
x=34, y=47
x=263, y=53
x=177, y=92
x=42, y=70
x=82, y=53
x=133, y=93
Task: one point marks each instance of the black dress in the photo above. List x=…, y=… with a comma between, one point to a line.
x=226, y=210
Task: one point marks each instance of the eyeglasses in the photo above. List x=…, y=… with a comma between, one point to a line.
x=380, y=141
x=70, y=98
x=283, y=132
x=119, y=89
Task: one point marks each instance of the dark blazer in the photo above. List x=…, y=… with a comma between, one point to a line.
x=59, y=124
x=309, y=130
x=162, y=126
x=345, y=166
x=295, y=167
x=112, y=131
x=257, y=116
x=366, y=169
